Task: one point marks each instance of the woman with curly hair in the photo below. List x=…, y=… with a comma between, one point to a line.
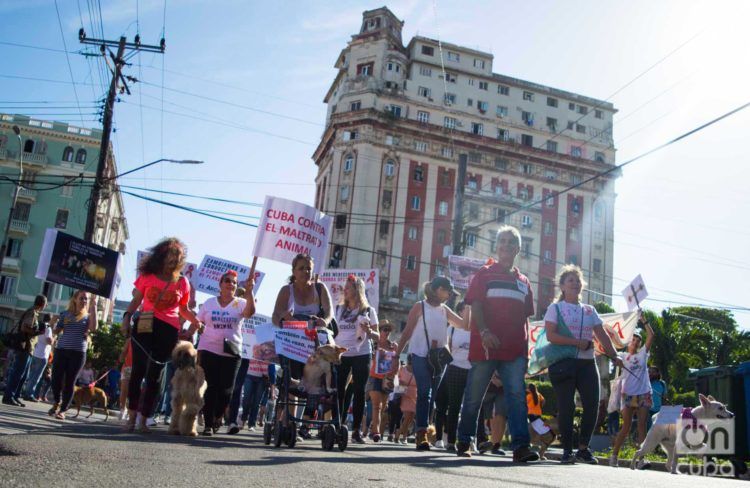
x=163, y=295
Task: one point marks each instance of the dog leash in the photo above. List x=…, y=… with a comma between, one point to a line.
x=150, y=358
x=91, y=385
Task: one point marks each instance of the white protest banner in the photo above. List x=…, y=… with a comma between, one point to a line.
x=619, y=327
x=335, y=279
x=188, y=271
x=248, y=333
x=211, y=269
x=462, y=269
x=288, y=228
x=635, y=293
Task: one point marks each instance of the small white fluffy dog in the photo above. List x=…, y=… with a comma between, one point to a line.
x=666, y=434
x=188, y=386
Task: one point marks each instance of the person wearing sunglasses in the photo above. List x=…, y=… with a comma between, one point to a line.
x=221, y=344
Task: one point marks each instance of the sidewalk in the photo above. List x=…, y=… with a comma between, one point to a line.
x=32, y=418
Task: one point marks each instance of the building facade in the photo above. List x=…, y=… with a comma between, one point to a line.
x=399, y=116
x=52, y=153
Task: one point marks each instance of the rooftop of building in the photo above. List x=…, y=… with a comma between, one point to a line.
x=61, y=127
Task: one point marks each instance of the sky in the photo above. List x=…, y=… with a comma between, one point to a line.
x=241, y=87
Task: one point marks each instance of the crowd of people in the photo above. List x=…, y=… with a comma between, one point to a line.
x=461, y=385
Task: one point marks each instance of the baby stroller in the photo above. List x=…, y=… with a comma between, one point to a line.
x=283, y=428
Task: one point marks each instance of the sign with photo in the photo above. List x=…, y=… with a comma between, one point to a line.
x=209, y=272
x=73, y=262
x=462, y=270
x=335, y=279
x=384, y=361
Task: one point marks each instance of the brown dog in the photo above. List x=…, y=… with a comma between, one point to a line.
x=188, y=386
x=318, y=365
x=543, y=441
x=89, y=396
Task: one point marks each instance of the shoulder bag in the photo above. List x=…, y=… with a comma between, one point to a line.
x=440, y=357
x=146, y=319
x=545, y=353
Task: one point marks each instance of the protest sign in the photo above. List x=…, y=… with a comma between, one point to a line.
x=635, y=293
x=384, y=361
x=462, y=269
x=263, y=348
x=249, y=341
x=288, y=228
x=76, y=263
x=209, y=272
x=618, y=326
x=335, y=279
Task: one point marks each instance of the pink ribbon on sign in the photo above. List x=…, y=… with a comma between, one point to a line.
x=371, y=279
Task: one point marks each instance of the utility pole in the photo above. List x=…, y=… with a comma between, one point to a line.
x=458, y=218
x=117, y=77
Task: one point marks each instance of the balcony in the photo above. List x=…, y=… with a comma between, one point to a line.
x=20, y=226
x=27, y=194
x=4, y=153
x=12, y=264
x=32, y=159
x=8, y=301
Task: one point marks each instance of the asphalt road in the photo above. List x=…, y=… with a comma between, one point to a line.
x=36, y=450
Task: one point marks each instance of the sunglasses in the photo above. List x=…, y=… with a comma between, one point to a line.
x=228, y=280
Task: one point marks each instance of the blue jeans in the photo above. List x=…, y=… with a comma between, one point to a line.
x=165, y=405
x=428, y=381
x=35, y=374
x=251, y=394
x=239, y=381
x=17, y=375
x=512, y=374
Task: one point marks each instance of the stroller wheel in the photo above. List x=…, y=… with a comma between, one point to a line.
x=267, y=433
x=278, y=434
x=328, y=439
x=291, y=434
x=343, y=438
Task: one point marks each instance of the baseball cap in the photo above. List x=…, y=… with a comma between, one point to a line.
x=441, y=282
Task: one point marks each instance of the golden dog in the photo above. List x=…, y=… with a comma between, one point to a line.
x=318, y=365
x=188, y=386
x=89, y=396
x=543, y=441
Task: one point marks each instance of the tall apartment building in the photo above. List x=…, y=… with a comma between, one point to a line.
x=398, y=119
x=59, y=152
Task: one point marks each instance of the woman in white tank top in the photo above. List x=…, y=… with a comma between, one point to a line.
x=427, y=328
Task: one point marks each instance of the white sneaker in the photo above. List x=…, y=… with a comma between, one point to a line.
x=123, y=414
x=440, y=444
x=151, y=422
x=403, y=441
x=613, y=461
x=473, y=447
x=251, y=428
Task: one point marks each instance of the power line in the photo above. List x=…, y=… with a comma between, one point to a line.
x=67, y=58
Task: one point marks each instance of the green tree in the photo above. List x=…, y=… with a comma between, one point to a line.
x=603, y=307
x=106, y=345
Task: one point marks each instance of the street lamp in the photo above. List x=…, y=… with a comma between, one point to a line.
x=4, y=247
x=176, y=161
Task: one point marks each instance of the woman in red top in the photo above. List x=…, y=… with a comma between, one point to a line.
x=160, y=290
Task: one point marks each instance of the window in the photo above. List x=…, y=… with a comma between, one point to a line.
x=482, y=106
x=500, y=214
x=7, y=285
x=451, y=77
x=395, y=110
x=441, y=235
x=526, y=220
x=599, y=156
x=344, y=193
x=475, y=157
x=348, y=163
x=445, y=178
x=527, y=117
x=340, y=221
x=477, y=128
x=61, y=219
x=423, y=92
x=390, y=168
x=382, y=258
x=550, y=200
x=425, y=71
x=68, y=155
x=387, y=198
x=502, y=111
x=483, y=85
x=527, y=168
x=479, y=63
x=503, y=134
x=454, y=57
x=575, y=179
x=571, y=125
x=28, y=146
x=394, y=67
x=22, y=211
x=503, y=90
x=420, y=146
x=498, y=190
x=598, y=114
x=391, y=140
x=418, y=174
x=450, y=98
x=472, y=184
x=523, y=193
x=416, y=202
x=471, y=81
x=581, y=129
x=547, y=228
x=365, y=69
x=423, y=117
x=575, y=151
x=597, y=266
x=547, y=257
x=349, y=135
x=527, y=140
x=571, y=106
x=411, y=263
x=471, y=240
x=552, y=123
x=354, y=106
x=551, y=102
x=583, y=110
x=473, y=210
x=470, y=102
x=552, y=146
x=528, y=96
x=443, y=208
x=447, y=152
x=550, y=174
x=598, y=211
x=575, y=206
x=81, y=156
x=385, y=226
x=501, y=163
x=14, y=248
x=428, y=50
x=413, y=233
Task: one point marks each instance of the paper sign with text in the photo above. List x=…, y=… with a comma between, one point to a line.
x=635, y=293
x=288, y=228
x=248, y=333
x=335, y=279
x=210, y=271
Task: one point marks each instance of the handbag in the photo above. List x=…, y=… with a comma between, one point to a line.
x=231, y=348
x=438, y=358
x=333, y=325
x=545, y=353
x=145, y=323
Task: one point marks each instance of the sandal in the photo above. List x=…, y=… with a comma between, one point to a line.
x=60, y=415
x=53, y=411
x=129, y=424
